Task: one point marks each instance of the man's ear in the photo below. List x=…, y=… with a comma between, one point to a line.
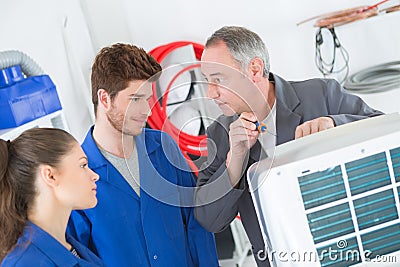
x=48, y=175
x=256, y=68
x=104, y=98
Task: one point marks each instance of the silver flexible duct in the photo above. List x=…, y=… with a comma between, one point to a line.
x=378, y=78
x=13, y=57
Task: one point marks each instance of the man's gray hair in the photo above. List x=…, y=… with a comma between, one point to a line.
x=243, y=44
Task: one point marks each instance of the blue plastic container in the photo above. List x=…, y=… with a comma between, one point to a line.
x=25, y=99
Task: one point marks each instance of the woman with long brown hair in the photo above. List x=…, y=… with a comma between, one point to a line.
x=43, y=176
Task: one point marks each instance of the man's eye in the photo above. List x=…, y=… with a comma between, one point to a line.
x=135, y=99
x=217, y=80
x=84, y=165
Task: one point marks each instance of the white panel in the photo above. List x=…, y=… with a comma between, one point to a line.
x=281, y=203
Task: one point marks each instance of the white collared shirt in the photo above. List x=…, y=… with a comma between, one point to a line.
x=268, y=138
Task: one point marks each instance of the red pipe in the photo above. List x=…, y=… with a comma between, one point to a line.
x=159, y=119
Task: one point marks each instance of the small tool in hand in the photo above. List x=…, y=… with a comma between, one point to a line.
x=261, y=127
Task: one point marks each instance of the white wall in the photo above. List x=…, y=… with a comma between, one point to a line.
x=53, y=33
x=291, y=47
x=35, y=27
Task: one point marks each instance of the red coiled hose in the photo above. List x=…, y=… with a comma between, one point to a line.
x=189, y=144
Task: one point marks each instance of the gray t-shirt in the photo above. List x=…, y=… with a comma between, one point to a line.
x=129, y=168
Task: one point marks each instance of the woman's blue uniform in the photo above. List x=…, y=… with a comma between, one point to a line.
x=37, y=248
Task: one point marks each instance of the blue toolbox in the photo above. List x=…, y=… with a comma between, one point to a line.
x=23, y=99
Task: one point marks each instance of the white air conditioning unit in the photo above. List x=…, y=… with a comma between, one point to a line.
x=332, y=198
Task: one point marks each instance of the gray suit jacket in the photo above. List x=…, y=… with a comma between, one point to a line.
x=217, y=203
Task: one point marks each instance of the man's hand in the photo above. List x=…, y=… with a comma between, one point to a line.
x=314, y=126
x=242, y=136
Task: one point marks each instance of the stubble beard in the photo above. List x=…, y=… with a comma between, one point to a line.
x=117, y=119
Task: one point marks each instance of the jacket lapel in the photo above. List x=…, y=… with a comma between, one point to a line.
x=286, y=119
x=286, y=102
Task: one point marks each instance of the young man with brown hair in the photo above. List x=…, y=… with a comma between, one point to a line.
x=144, y=215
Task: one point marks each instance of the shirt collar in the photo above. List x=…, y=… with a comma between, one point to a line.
x=48, y=245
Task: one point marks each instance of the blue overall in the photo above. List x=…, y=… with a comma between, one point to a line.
x=125, y=230
x=37, y=248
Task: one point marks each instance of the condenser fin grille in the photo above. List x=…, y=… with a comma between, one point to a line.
x=357, y=201
x=322, y=187
x=382, y=241
x=375, y=209
x=330, y=223
x=368, y=173
x=395, y=156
